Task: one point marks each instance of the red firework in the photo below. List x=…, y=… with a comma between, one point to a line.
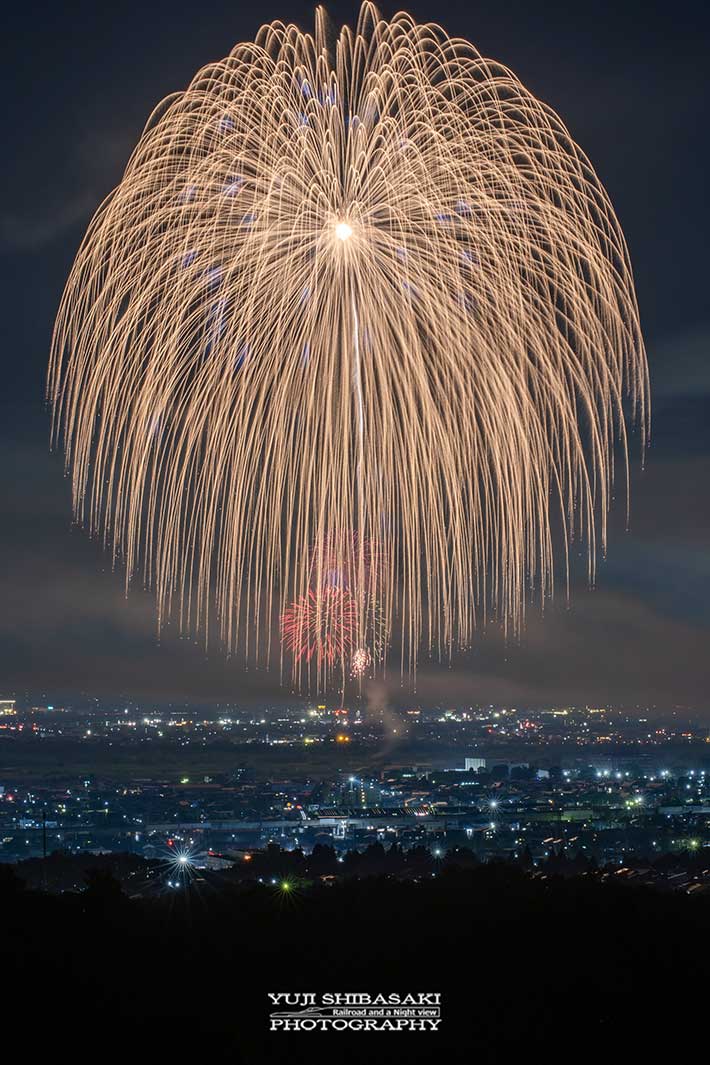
x=321, y=626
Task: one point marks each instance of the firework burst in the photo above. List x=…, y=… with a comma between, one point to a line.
x=360, y=663
x=344, y=570
x=319, y=630
x=368, y=293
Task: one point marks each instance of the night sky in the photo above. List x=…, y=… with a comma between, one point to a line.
x=629, y=81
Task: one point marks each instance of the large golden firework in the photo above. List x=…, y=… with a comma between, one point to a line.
x=367, y=293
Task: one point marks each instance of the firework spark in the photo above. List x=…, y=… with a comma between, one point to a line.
x=367, y=293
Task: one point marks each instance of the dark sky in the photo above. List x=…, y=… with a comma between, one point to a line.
x=629, y=79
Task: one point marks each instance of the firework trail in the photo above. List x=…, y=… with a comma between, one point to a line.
x=368, y=293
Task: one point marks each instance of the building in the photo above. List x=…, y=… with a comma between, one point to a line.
x=475, y=764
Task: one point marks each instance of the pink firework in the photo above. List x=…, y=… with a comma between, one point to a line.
x=320, y=626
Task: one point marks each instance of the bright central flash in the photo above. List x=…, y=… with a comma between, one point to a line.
x=343, y=231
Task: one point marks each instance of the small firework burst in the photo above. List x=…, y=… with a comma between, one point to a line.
x=360, y=663
x=320, y=627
